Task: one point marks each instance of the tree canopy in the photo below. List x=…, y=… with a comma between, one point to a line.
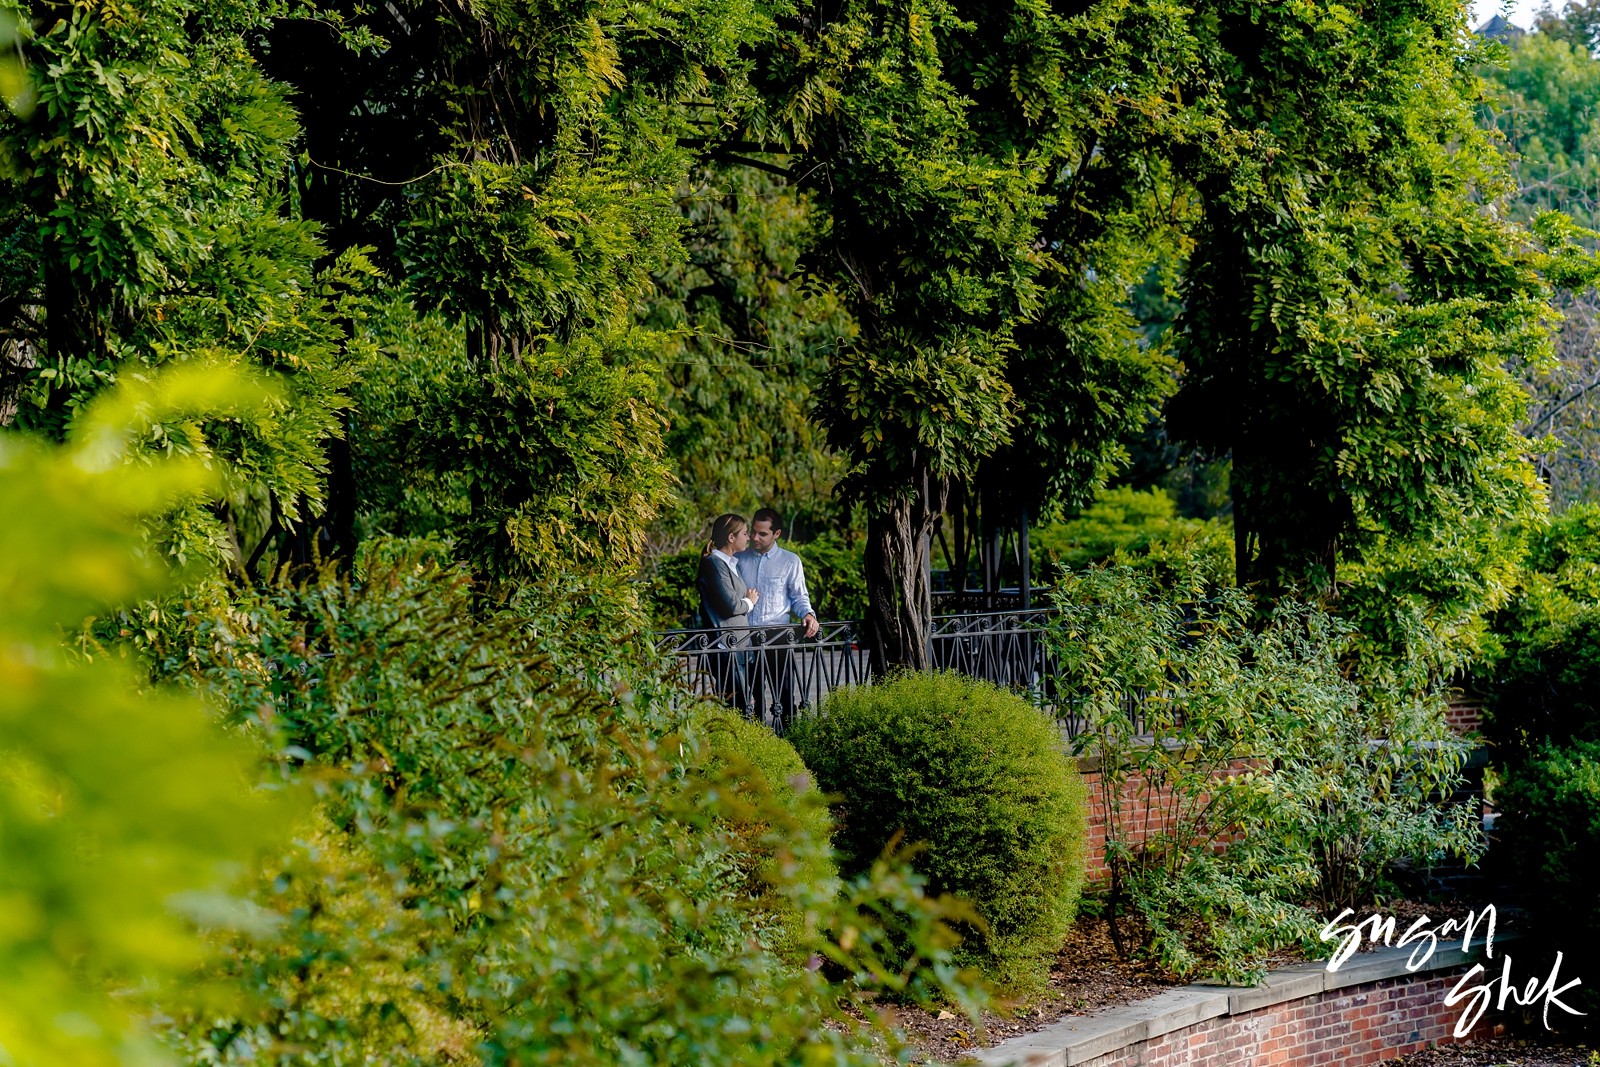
x=544, y=281
x=1544, y=104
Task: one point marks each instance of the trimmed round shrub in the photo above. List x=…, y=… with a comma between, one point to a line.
x=769, y=780
x=978, y=777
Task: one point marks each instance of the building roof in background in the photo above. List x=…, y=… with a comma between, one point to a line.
x=1498, y=29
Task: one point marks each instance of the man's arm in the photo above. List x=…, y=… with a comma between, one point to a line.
x=800, y=600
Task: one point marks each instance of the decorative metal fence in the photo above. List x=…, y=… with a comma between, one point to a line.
x=770, y=673
x=775, y=673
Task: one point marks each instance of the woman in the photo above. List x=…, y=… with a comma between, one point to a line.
x=724, y=607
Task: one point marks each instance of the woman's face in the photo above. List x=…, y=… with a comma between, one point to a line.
x=739, y=540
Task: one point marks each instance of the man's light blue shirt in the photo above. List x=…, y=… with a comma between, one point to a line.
x=780, y=578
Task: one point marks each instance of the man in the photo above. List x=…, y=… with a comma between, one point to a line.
x=779, y=579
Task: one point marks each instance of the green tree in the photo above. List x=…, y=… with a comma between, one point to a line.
x=1546, y=104
x=1138, y=528
x=750, y=341
x=1350, y=308
x=145, y=224
x=975, y=170
x=521, y=180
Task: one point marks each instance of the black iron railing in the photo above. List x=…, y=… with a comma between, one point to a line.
x=775, y=673
x=1003, y=647
x=771, y=673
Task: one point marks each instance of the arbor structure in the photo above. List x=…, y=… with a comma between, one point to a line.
x=965, y=197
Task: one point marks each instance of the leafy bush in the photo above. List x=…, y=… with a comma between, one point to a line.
x=670, y=597
x=836, y=576
x=1550, y=819
x=978, y=776
x=516, y=864
x=1546, y=688
x=1138, y=527
x=1542, y=682
x=1276, y=781
x=781, y=825
x=123, y=809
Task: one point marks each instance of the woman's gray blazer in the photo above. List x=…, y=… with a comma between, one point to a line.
x=720, y=594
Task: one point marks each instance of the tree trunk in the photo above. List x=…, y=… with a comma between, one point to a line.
x=1284, y=541
x=72, y=317
x=899, y=571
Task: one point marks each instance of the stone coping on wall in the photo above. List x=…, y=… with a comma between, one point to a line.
x=1105, y=1034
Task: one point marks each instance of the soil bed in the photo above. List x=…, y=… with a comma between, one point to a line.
x=1086, y=977
x=1546, y=1050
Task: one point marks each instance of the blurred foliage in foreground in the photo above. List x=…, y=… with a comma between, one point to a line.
x=123, y=811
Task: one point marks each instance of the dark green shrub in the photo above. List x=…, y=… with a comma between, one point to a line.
x=669, y=593
x=779, y=820
x=1549, y=824
x=977, y=775
x=1541, y=681
x=1547, y=688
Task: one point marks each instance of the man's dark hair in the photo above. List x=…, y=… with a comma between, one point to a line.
x=769, y=515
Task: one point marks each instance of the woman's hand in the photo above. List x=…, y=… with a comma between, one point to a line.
x=753, y=595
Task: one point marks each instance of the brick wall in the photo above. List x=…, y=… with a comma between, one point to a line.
x=1465, y=714
x=1367, y=1024
x=1146, y=812
x=1142, y=814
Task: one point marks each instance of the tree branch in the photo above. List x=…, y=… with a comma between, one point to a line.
x=758, y=164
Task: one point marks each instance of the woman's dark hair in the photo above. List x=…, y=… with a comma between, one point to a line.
x=723, y=527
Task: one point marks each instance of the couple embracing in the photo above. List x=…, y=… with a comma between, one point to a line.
x=748, y=582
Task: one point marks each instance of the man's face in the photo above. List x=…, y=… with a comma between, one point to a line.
x=763, y=536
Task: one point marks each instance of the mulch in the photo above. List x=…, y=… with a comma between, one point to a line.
x=1523, y=1051
x=1085, y=978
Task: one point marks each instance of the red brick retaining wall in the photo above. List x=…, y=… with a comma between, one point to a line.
x=1368, y=1024
x=1372, y=1009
